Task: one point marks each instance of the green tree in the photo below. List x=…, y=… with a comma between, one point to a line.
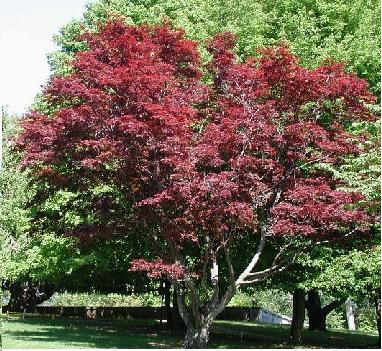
x=24, y=258
x=352, y=268
x=49, y=260
x=315, y=29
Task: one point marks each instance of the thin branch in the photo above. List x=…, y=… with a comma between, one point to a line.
x=206, y=259
x=195, y=302
x=314, y=161
x=222, y=303
x=215, y=280
x=264, y=276
x=327, y=241
x=273, y=269
x=230, y=265
x=181, y=301
x=332, y=306
x=255, y=258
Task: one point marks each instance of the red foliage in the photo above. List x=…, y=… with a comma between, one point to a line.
x=157, y=268
x=198, y=160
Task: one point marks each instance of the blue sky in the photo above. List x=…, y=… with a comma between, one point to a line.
x=26, y=30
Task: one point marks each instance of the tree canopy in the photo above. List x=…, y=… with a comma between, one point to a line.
x=315, y=29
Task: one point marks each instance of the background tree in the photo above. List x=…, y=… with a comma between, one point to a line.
x=33, y=267
x=26, y=264
x=362, y=174
x=315, y=29
x=197, y=167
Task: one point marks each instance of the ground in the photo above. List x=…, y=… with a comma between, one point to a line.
x=43, y=332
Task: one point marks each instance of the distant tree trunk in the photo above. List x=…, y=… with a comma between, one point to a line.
x=298, y=316
x=177, y=323
x=26, y=295
x=377, y=302
x=350, y=314
x=16, y=299
x=317, y=319
x=316, y=313
x=167, y=303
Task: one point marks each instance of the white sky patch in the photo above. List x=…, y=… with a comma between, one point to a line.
x=26, y=31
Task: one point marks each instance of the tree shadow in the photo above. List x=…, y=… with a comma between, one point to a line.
x=278, y=336
x=43, y=332
x=90, y=334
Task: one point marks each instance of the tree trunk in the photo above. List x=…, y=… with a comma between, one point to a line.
x=377, y=302
x=298, y=316
x=316, y=313
x=197, y=338
x=167, y=303
x=198, y=318
x=15, y=303
x=316, y=316
x=25, y=296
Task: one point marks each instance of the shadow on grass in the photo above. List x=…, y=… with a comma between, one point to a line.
x=277, y=336
x=44, y=332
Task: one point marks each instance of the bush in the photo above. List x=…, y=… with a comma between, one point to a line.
x=101, y=300
x=337, y=319
x=271, y=299
x=366, y=317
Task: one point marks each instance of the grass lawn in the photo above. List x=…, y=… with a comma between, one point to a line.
x=44, y=332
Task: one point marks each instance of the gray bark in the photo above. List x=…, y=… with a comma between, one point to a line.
x=197, y=338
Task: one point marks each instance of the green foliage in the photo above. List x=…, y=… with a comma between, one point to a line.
x=356, y=274
x=362, y=173
x=48, y=257
x=315, y=29
x=349, y=268
x=14, y=194
x=337, y=319
x=22, y=256
x=366, y=317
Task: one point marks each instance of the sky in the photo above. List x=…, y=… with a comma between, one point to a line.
x=26, y=31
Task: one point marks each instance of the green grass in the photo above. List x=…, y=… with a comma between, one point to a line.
x=276, y=336
x=43, y=332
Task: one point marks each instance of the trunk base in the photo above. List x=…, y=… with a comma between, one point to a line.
x=317, y=322
x=197, y=339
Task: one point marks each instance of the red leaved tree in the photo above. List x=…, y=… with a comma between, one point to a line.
x=206, y=168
